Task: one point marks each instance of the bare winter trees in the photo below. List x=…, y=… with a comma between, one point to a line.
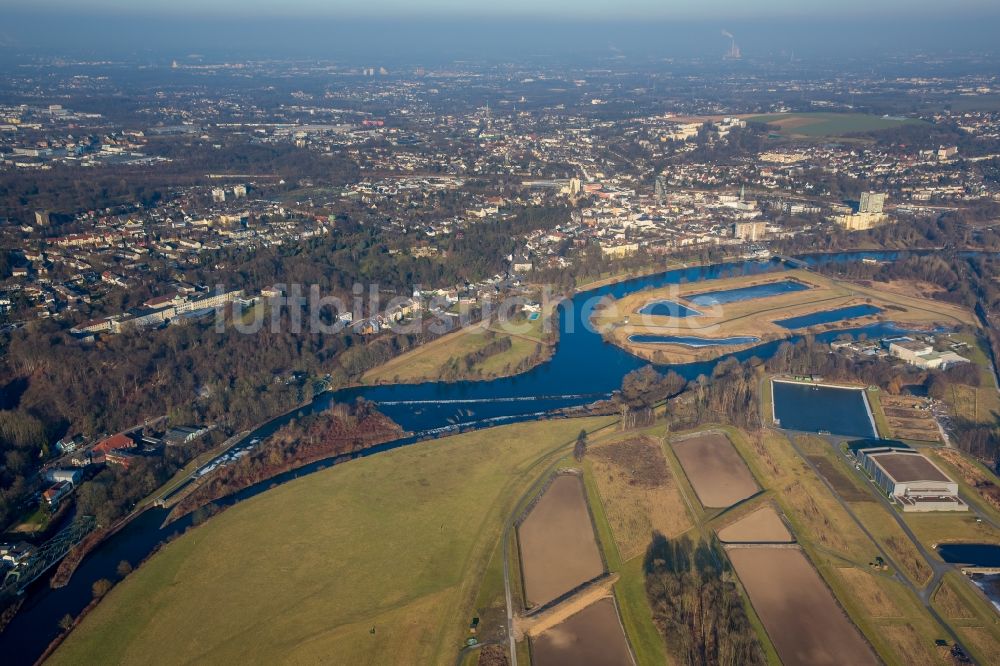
x=643, y=389
x=696, y=605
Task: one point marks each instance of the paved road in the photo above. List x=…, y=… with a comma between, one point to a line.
x=507, y=593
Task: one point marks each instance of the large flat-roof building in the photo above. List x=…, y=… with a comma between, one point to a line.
x=749, y=231
x=910, y=478
x=922, y=354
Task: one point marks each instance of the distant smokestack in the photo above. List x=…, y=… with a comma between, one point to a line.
x=734, y=50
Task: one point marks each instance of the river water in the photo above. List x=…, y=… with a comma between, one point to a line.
x=583, y=368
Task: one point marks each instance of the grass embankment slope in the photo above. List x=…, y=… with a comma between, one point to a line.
x=302, y=573
x=978, y=404
x=817, y=125
x=756, y=317
x=431, y=361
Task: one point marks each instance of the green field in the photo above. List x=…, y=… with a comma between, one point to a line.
x=429, y=361
x=398, y=542
x=828, y=124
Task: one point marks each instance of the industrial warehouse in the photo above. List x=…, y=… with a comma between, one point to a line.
x=909, y=478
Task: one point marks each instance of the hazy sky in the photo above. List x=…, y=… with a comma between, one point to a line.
x=622, y=9
x=419, y=30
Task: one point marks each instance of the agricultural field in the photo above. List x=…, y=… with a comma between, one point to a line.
x=629, y=322
x=571, y=616
x=821, y=125
x=908, y=417
x=891, y=617
x=264, y=581
x=978, y=485
x=980, y=404
x=718, y=474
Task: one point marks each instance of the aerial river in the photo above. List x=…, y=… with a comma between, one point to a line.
x=583, y=369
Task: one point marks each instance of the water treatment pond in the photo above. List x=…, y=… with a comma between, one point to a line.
x=691, y=340
x=973, y=554
x=747, y=293
x=828, y=316
x=822, y=409
x=663, y=308
x=557, y=547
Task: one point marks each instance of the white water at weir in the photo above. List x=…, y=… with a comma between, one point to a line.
x=465, y=401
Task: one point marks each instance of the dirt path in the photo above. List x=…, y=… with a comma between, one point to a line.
x=536, y=624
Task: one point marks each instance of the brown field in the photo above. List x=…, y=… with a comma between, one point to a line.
x=964, y=402
x=756, y=317
x=910, y=647
x=981, y=639
x=802, y=618
x=949, y=603
x=492, y=655
x=592, y=637
x=907, y=420
x=830, y=525
x=843, y=484
x=639, y=493
x=867, y=589
x=719, y=476
x=762, y=526
x=557, y=543
x=973, y=475
x=896, y=542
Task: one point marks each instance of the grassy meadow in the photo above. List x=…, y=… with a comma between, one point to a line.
x=397, y=542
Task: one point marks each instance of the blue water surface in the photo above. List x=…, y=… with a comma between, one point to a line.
x=691, y=340
x=828, y=316
x=817, y=408
x=663, y=308
x=747, y=293
x=583, y=368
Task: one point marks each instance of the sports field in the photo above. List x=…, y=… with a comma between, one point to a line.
x=794, y=125
x=396, y=543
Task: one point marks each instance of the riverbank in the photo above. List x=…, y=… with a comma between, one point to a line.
x=341, y=429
